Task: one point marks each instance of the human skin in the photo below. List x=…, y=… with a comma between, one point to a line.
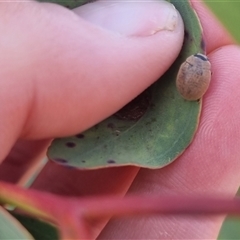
x=32, y=113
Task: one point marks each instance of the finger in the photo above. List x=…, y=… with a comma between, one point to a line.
x=209, y=166
x=72, y=73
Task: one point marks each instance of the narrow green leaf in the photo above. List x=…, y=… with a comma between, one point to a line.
x=40, y=230
x=10, y=228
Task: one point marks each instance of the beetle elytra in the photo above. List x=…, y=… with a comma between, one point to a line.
x=194, y=77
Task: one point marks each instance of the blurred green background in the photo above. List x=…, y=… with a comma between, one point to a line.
x=228, y=12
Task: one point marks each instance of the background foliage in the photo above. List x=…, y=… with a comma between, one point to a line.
x=228, y=12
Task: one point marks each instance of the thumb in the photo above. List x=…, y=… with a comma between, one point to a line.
x=124, y=49
x=79, y=67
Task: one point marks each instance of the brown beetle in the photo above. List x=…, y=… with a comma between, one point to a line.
x=194, y=77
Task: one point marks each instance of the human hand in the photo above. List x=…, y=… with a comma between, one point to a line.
x=63, y=74
x=44, y=106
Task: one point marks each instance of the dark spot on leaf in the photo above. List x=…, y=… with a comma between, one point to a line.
x=203, y=45
x=83, y=161
x=60, y=160
x=147, y=123
x=153, y=119
x=187, y=37
x=70, y=144
x=111, y=125
x=70, y=167
x=111, y=161
x=186, y=34
x=136, y=108
x=80, y=136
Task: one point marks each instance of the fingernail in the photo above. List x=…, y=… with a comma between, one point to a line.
x=131, y=18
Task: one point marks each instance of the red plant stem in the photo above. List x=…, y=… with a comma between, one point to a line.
x=32, y=202
x=73, y=215
x=49, y=207
x=74, y=228
x=112, y=205
x=135, y=205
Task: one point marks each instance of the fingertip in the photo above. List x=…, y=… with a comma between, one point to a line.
x=154, y=26
x=151, y=28
x=131, y=18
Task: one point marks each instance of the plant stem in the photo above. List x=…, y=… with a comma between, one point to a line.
x=135, y=205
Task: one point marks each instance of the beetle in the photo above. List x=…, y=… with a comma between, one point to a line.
x=194, y=77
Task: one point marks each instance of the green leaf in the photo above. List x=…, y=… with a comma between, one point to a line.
x=40, y=230
x=10, y=228
x=150, y=132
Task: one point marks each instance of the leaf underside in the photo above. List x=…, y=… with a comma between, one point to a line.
x=150, y=132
